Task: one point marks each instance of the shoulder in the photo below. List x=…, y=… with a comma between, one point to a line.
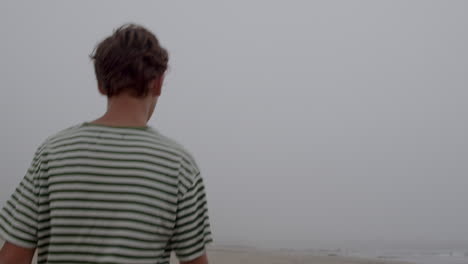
x=159, y=144
x=187, y=159
x=64, y=133
x=149, y=136
x=189, y=172
x=173, y=144
x=43, y=147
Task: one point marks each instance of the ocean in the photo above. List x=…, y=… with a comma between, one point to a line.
x=418, y=252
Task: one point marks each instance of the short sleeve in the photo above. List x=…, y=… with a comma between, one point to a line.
x=19, y=215
x=192, y=228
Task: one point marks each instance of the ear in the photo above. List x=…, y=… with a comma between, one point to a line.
x=157, y=85
x=101, y=90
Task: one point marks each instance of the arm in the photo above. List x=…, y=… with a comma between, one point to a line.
x=11, y=254
x=200, y=260
x=19, y=217
x=192, y=227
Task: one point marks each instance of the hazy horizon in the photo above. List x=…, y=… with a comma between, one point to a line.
x=311, y=120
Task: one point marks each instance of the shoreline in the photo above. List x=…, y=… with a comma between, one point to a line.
x=251, y=255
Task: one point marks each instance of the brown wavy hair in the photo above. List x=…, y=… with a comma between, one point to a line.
x=128, y=60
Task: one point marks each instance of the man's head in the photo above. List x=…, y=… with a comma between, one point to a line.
x=130, y=66
x=129, y=61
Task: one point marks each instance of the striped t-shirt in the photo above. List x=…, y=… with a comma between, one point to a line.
x=101, y=194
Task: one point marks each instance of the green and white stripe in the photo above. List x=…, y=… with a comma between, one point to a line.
x=99, y=194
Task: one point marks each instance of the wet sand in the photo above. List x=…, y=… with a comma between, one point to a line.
x=244, y=255
x=228, y=255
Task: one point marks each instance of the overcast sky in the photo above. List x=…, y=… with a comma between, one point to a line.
x=311, y=120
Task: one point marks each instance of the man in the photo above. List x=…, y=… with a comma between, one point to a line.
x=113, y=190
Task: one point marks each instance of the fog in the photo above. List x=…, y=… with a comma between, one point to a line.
x=311, y=120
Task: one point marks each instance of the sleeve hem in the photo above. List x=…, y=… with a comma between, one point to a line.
x=196, y=254
x=8, y=238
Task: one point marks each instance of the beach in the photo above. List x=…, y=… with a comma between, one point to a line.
x=233, y=255
x=252, y=255
x=247, y=255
